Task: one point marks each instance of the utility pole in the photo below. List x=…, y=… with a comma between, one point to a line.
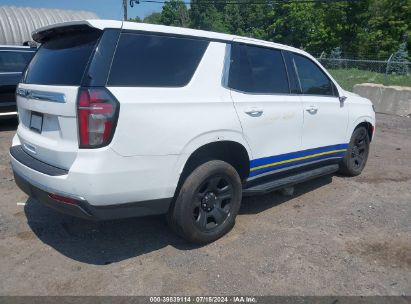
x=125, y=10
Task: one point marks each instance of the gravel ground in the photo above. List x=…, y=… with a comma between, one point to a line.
x=334, y=236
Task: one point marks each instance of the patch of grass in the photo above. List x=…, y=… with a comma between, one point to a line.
x=347, y=78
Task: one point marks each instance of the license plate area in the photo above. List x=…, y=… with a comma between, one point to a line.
x=36, y=122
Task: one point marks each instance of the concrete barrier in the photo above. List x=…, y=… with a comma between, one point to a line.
x=386, y=99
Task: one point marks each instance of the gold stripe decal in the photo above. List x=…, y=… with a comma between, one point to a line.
x=296, y=159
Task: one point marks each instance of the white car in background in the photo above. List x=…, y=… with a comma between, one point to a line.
x=122, y=119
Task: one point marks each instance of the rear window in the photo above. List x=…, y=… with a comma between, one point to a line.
x=14, y=60
x=143, y=60
x=63, y=59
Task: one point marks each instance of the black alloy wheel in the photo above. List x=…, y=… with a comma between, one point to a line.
x=357, y=153
x=207, y=203
x=211, y=206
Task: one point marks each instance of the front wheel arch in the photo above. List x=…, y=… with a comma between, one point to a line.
x=368, y=126
x=364, y=120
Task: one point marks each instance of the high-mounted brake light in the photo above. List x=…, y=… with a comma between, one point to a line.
x=97, y=116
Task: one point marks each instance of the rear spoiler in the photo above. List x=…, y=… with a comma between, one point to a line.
x=45, y=33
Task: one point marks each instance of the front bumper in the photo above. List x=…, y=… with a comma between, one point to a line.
x=81, y=208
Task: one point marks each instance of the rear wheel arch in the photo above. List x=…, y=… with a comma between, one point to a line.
x=229, y=151
x=232, y=152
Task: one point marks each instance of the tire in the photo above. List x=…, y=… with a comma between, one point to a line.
x=357, y=153
x=207, y=203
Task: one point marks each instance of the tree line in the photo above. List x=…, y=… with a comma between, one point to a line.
x=362, y=29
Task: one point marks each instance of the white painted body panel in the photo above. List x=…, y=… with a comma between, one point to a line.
x=159, y=128
x=171, y=120
x=359, y=110
x=155, y=135
x=277, y=130
x=325, y=121
x=103, y=177
x=57, y=145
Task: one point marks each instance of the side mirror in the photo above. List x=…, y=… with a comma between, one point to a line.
x=342, y=99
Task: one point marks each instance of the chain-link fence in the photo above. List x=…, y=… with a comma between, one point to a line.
x=349, y=72
x=379, y=66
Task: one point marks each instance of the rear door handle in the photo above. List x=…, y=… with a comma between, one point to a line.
x=311, y=109
x=254, y=112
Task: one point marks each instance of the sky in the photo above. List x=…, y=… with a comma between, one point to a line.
x=105, y=9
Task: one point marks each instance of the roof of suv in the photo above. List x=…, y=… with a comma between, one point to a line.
x=103, y=24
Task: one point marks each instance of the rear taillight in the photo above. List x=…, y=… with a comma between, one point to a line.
x=97, y=117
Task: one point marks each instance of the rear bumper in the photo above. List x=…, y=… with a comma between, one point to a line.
x=101, y=176
x=128, y=187
x=81, y=208
x=20, y=155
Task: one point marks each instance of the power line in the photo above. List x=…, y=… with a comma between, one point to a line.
x=251, y=2
x=269, y=2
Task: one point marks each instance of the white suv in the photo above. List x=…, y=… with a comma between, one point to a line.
x=121, y=119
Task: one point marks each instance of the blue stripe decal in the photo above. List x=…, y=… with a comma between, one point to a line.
x=289, y=156
x=294, y=163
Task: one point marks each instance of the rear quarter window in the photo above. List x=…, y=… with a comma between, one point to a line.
x=143, y=60
x=62, y=60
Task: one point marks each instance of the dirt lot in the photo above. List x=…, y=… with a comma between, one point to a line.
x=334, y=236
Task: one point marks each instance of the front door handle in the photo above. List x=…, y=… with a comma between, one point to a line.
x=254, y=112
x=312, y=109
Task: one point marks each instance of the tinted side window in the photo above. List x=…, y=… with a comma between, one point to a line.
x=62, y=60
x=14, y=61
x=292, y=76
x=155, y=61
x=312, y=79
x=258, y=70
